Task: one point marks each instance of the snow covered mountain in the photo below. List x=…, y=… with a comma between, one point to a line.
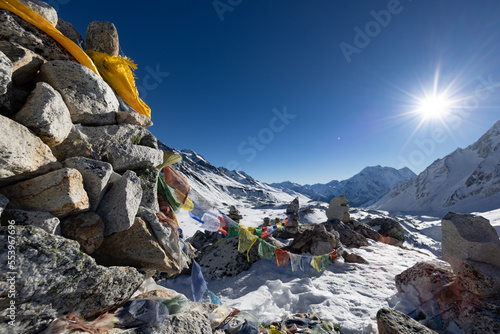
x=466, y=180
x=221, y=187
x=362, y=189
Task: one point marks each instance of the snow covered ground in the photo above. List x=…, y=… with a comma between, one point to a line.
x=348, y=294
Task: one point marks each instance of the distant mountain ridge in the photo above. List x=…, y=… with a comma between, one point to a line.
x=363, y=189
x=466, y=180
x=221, y=186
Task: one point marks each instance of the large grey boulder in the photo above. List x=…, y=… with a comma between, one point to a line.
x=220, y=255
x=68, y=30
x=389, y=228
x=46, y=114
x=89, y=98
x=103, y=37
x=102, y=139
x=190, y=322
x=469, y=237
x=135, y=247
x=25, y=63
x=390, y=321
x=59, y=192
x=338, y=209
x=427, y=278
x=54, y=279
x=41, y=219
x=129, y=156
x=316, y=240
x=6, y=70
x=348, y=237
x=86, y=228
x=22, y=154
x=96, y=175
x=15, y=30
x=120, y=204
x=149, y=183
x=44, y=9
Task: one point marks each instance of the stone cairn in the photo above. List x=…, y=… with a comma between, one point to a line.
x=292, y=211
x=234, y=214
x=78, y=180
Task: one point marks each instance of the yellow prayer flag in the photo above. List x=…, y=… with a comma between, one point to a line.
x=316, y=262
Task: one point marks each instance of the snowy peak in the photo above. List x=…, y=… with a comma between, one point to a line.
x=362, y=189
x=466, y=180
x=218, y=186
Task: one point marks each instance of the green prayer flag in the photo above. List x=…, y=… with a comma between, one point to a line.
x=266, y=250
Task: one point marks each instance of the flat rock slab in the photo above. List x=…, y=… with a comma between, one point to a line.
x=54, y=278
x=89, y=98
x=59, y=192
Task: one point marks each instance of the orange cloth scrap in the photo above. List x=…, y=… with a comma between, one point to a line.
x=282, y=257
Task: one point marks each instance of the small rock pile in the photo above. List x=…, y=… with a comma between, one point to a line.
x=75, y=163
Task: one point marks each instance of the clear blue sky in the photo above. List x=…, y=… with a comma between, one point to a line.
x=341, y=77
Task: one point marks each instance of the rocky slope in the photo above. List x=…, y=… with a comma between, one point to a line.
x=78, y=182
x=467, y=180
x=363, y=189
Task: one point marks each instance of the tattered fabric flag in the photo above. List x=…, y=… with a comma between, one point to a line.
x=177, y=182
x=306, y=262
x=246, y=241
x=118, y=72
x=198, y=283
x=213, y=298
x=316, y=263
x=333, y=255
x=296, y=262
x=266, y=250
x=234, y=231
x=324, y=261
x=265, y=232
x=282, y=257
x=169, y=195
x=258, y=232
x=320, y=262
x=271, y=229
x=228, y=222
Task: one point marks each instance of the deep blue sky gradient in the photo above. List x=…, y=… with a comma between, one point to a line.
x=226, y=77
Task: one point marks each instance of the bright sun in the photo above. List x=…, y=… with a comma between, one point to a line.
x=433, y=107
